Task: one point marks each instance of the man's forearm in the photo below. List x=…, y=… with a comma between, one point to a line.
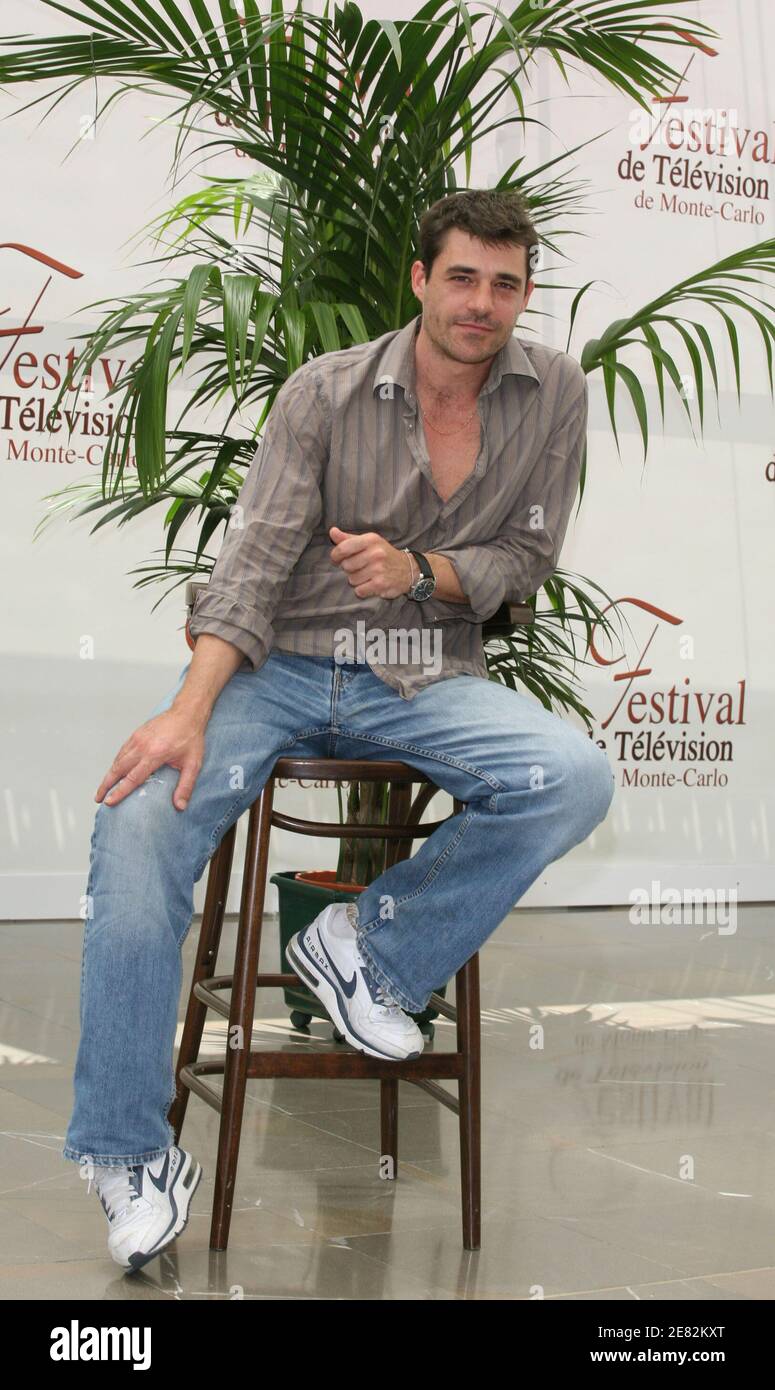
x=447, y=582
x=213, y=664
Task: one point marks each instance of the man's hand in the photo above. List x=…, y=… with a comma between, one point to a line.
x=373, y=566
x=174, y=737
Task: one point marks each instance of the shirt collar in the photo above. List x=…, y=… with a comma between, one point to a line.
x=396, y=363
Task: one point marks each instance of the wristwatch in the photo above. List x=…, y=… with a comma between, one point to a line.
x=423, y=587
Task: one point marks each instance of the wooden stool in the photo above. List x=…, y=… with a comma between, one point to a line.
x=239, y=1063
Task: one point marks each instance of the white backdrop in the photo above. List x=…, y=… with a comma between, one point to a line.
x=687, y=539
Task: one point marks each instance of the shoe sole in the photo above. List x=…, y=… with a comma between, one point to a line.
x=329, y=998
x=189, y=1186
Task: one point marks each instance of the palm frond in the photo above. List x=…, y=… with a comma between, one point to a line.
x=719, y=288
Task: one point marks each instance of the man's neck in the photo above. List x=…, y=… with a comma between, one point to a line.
x=442, y=379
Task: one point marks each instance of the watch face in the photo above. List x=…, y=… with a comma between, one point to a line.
x=424, y=588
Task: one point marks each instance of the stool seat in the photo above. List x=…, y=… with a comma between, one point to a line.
x=240, y=1062
x=351, y=769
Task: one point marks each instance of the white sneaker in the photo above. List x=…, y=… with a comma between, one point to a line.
x=327, y=959
x=146, y=1204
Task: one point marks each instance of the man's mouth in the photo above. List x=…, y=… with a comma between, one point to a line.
x=476, y=327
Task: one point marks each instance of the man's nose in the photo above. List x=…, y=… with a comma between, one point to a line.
x=480, y=304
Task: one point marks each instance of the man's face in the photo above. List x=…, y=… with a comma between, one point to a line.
x=474, y=296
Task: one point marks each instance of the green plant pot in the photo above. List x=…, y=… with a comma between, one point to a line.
x=299, y=904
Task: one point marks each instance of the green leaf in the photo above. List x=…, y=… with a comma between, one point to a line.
x=638, y=399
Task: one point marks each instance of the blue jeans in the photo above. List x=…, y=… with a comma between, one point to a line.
x=533, y=787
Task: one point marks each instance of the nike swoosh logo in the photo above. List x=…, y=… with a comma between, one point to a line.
x=161, y=1181
x=348, y=986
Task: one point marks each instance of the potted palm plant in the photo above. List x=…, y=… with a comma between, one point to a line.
x=350, y=128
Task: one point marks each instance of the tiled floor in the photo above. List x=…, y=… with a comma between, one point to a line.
x=628, y=1134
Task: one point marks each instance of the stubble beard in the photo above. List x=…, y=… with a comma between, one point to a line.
x=443, y=337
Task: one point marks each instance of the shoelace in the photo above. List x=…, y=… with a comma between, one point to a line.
x=118, y=1191
x=384, y=1001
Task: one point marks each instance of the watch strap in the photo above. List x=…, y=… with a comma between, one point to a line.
x=425, y=569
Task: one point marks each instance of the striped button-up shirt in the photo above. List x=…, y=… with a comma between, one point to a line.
x=343, y=445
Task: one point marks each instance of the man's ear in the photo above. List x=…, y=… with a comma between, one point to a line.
x=417, y=278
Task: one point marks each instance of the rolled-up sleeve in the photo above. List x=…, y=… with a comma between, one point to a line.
x=513, y=566
x=277, y=509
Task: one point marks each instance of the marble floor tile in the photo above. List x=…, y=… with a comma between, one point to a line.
x=627, y=1123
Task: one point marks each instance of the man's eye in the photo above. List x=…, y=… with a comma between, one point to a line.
x=502, y=284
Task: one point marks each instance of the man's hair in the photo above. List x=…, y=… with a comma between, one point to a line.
x=491, y=215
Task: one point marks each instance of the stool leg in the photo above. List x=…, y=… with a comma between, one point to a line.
x=469, y=1096
x=243, y=998
x=399, y=805
x=204, y=968
x=399, y=802
x=388, y=1123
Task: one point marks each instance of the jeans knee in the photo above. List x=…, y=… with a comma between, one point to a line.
x=146, y=808
x=594, y=781
x=143, y=837
x=141, y=874
x=576, y=776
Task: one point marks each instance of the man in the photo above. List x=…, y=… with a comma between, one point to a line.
x=402, y=490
